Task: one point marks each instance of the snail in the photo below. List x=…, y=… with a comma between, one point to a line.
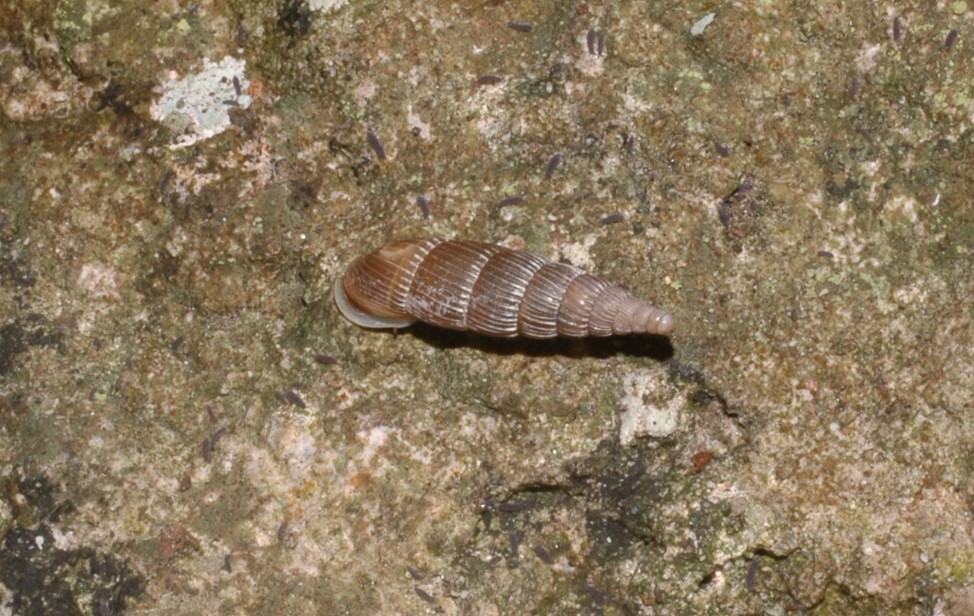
x=490, y=290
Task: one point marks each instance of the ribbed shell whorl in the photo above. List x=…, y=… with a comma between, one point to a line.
x=490, y=290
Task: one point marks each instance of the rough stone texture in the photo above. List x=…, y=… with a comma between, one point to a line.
x=793, y=183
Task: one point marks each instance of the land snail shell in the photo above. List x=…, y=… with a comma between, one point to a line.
x=490, y=290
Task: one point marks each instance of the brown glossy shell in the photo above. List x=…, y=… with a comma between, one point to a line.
x=490, y=290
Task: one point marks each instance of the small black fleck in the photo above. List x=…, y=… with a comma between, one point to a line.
x=521, y=26
x=177, y=342
x=897, y=28
x=543, y=554
x=722, y=149
x=552, y=166
x=422, y=594
x=598, y=597
x=826, y=254
x=629, y=143
x=514, y=506
x=751, y=579
x=591, y=39
x=294, y=398
x=865, y=132
x=163, y=183
x=241, y=118
x=424, y=206
x=514, y=539
x=951, y=38
x=376, y=145
x=414, y=573
x=613, y=218
x=707, y=580
x=515, y=200
x=227, y=563
x=210, y=442
x=236, y=86
x=229, y=102
x=735, y=204
x=853, y=90
x=325, y=360
x=489, y=79
x=282, y=532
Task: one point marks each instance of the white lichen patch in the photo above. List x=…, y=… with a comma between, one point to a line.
x=196, y=107
x=495, y=126
x=902, y=206
x=701, y=24
x=649, y=410
x=326, y=6
x=98, y=280
x=417, y=123
x=373, y=440
x=866, y=59
x=365, y=92
x=589, y=64
x=295, y=445
x=579, y=253
x=635, y=105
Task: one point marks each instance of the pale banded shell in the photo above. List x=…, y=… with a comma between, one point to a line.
x=490, y=290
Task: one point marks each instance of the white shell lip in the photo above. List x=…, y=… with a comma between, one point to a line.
x=364, y=319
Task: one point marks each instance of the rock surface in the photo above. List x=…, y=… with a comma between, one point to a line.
x=187, y=425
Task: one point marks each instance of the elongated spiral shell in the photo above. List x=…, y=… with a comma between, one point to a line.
x=490, y=290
